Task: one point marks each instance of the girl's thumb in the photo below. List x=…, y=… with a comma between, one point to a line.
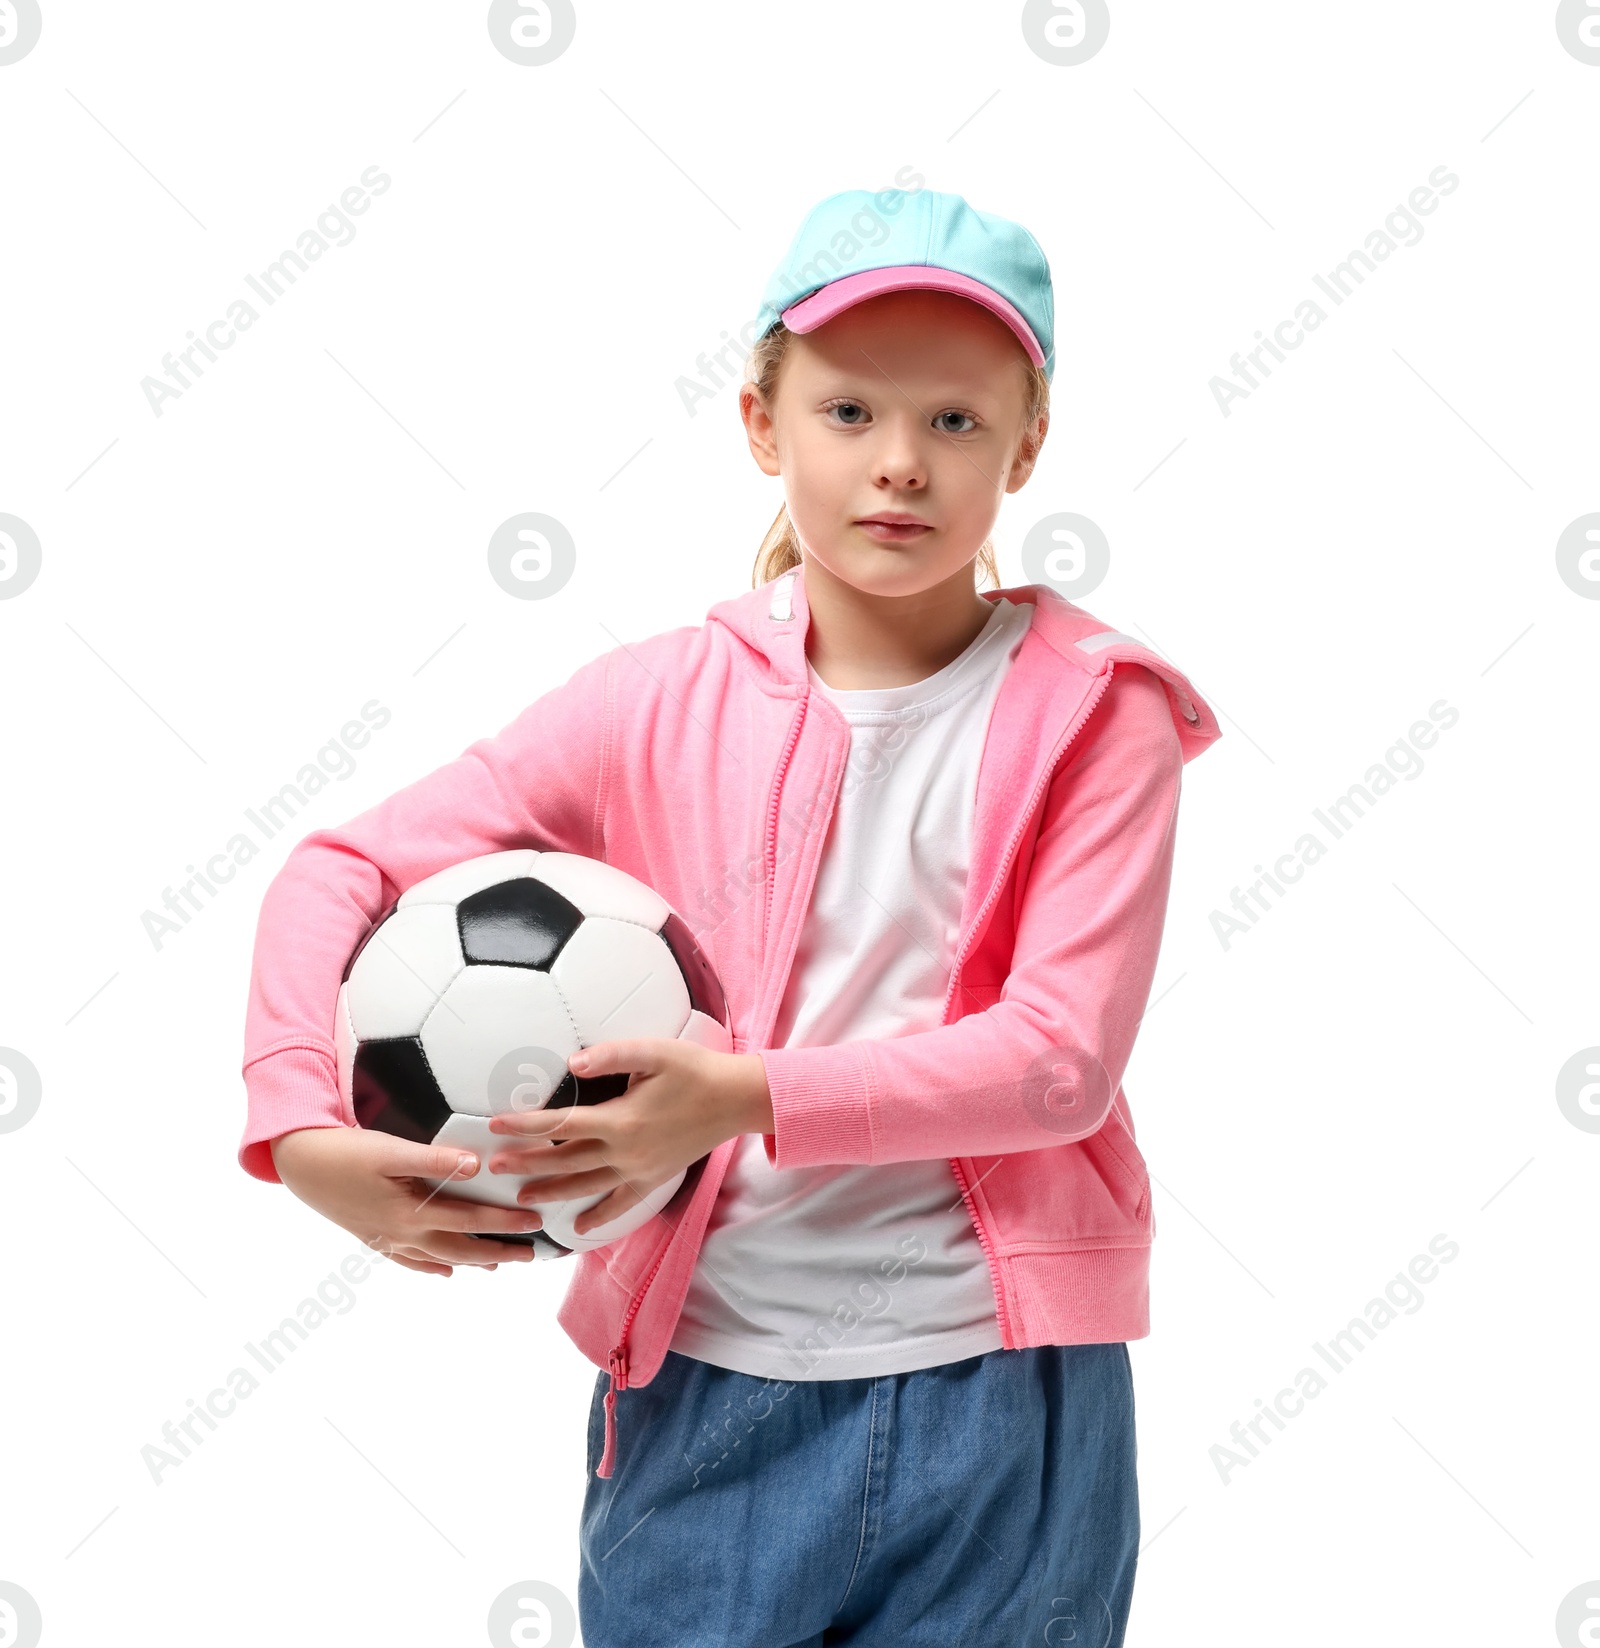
x=431, y=1161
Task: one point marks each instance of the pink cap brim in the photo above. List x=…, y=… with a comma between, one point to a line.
x=838, y=295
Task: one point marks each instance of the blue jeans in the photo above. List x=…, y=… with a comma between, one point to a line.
x=987, y=1503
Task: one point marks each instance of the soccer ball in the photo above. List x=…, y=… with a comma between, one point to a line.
x=469, y=995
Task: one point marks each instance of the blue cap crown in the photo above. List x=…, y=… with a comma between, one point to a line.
x=863, y=229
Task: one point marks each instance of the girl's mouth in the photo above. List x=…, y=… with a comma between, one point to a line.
x=892, y=531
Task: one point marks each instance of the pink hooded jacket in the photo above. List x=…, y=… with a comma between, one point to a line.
x=700, y=761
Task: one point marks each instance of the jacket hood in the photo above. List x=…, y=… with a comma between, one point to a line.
x=772, y=622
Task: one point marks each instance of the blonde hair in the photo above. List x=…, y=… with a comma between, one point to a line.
x=780, y=549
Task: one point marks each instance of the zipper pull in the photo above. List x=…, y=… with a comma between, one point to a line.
x=617, y=1366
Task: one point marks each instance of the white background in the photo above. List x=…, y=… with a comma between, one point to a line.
x=223, y=586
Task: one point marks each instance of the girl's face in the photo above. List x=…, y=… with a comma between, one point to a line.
x=897, y=429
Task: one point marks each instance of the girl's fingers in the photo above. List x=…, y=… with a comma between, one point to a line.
x=428, y=1266
x=451, y=1213
x=641, y=1055
x=401, y=1158
x=534, y=1160
x=603, y=1212
x=567, y=1120
x=567, y=1186
x=459, y=1249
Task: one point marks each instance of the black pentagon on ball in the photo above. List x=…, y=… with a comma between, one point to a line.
x=517, y=923
x=393, y=1090
x=543, y=1244
x=705, y=991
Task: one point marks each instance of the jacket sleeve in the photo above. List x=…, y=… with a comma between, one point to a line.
x=539, y=782
x=1041, y=1065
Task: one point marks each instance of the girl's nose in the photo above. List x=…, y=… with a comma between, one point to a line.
x=900, y=463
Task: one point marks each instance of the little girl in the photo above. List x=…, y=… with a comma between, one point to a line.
x=866, y=1375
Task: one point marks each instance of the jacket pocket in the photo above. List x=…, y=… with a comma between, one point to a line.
x=1122, y=1144
x=628, y=1259
x=1091, y=1193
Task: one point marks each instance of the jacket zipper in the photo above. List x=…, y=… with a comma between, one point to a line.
x=1096, y=694
x=771, y=845
x=617, y=1366
x=617, y=1358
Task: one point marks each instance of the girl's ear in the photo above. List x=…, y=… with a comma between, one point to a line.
x=1028, y=452
x=759, y=429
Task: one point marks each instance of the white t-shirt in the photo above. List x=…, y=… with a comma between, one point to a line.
x=846, y=1272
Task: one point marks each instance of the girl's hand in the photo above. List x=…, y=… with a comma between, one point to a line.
x=683, y=1101
x=371, y=1184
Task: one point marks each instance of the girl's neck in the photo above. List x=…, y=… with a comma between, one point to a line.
x=855, y=640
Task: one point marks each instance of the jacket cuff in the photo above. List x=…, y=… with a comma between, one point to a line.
x=821, y=1105
x=290, y=1089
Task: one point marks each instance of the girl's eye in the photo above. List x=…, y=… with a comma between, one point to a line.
x=852, y=414
x=944, y=428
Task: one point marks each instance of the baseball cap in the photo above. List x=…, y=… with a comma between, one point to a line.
x=861, y=242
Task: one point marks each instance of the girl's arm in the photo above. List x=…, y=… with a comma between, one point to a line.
x=1087, y=937
x=539, y=783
